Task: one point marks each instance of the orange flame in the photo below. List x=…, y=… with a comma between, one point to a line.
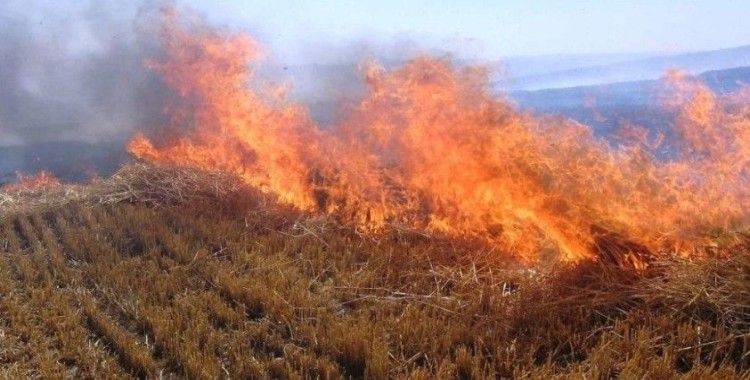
x=429, y=147
x=38, y=181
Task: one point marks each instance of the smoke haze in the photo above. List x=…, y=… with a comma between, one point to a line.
x=74, y=73
x=74, y=88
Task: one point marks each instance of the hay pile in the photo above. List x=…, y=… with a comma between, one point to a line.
x=136, y=182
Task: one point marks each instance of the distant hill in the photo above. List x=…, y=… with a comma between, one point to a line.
x=604, y=106
x=619, y=93
x=631, y=70
x=534, y=65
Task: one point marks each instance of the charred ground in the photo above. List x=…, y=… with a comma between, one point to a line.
x=160, y=272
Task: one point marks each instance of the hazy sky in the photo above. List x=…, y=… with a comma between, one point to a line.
x=73, y=69
x=494, y=28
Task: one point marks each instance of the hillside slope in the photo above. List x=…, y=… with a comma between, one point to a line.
x=238, y=287
x=635, y=69
x=605, y=107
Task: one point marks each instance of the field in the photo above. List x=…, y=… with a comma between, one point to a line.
x=216, y=283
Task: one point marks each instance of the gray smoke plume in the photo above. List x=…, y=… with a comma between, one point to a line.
x=74, y=72
x=73, y=86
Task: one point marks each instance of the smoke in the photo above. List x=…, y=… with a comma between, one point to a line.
x=74, y=85
x=75, y=72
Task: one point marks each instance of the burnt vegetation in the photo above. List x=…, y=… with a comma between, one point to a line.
x=172, y=273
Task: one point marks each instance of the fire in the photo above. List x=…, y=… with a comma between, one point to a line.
x=429, y=147
x=231, y=128
x=38, y=181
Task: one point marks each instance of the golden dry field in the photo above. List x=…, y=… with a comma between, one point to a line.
x=202, y=280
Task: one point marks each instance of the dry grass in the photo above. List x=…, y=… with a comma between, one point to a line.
x=169, y=272
x=137, y=182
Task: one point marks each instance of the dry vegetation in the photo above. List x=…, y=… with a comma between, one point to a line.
x=167, y=272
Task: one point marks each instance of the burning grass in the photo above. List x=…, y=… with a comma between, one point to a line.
x=30, y=182
x=191, y=273
x=436, y=231
x=428, y=147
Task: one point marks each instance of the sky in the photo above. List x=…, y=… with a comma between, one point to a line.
x=73, y=69
x=493, y=29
